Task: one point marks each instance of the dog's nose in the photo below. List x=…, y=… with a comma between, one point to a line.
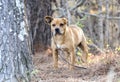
x=57, y=30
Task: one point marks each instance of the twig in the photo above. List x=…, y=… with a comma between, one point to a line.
x=97, y=15
x=95, y=46
x=81, y=2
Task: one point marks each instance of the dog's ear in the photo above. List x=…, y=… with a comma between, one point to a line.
x=48, y=19
x=65, y=20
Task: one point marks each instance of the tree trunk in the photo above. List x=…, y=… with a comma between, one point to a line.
x=15, y=56
x=100, y=25
x=106, y=38
x=41, y=33
x=65, y=11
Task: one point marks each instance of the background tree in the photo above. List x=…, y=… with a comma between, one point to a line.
x=100, y=25
x=36, y=11
x=15, y=55
x=99, y=17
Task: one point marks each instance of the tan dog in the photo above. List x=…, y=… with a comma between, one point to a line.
x=66, y=38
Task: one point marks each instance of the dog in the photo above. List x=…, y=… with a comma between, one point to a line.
x=67, y=38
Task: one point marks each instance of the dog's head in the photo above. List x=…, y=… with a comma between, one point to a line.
x=58, y=25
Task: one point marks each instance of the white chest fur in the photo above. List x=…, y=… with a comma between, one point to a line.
x=58, y=45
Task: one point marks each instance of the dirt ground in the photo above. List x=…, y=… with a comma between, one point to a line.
x=100, y=68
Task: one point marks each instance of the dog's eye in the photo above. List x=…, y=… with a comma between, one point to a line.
x=53, y=24
x=61, y=24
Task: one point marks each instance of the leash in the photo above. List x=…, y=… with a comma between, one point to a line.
x=60, y=49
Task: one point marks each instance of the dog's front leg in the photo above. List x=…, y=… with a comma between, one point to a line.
x=72, y=57
x=55, y=58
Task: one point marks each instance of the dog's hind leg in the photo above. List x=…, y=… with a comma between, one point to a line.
x=84, y=47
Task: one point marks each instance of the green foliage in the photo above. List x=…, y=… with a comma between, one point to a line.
x=117, y=49
x=79, y=23
x=84, y=18
x=35, y=71
x=79, y=62
x=89, y=41
x=78, y=53
x=119, y=80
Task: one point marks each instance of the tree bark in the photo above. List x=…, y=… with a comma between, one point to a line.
x=41, y=33
x=100, y=25
x=15, y=56
x=106, y=38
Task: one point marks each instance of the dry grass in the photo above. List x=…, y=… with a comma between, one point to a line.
x=100, y=68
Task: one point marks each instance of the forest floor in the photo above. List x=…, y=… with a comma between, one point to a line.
x=100, y=68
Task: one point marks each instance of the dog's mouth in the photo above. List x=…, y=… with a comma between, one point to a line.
x=54, y=33
x=57, y=32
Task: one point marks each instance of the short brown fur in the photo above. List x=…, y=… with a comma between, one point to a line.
x=67, y=38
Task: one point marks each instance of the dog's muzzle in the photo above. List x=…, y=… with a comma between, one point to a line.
x=57, y=31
